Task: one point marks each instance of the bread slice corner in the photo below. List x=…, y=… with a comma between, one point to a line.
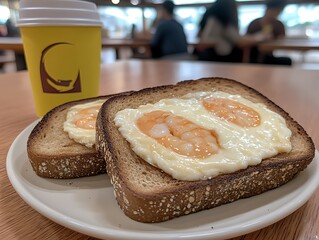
x=53, y=154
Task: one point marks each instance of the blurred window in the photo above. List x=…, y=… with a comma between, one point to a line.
x=300, y=20
x=4, y=14
x=118, y=21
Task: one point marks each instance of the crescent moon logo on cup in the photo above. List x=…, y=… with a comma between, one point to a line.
x=59, y=69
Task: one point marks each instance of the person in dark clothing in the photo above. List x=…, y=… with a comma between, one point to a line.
x=269, y=24
x=169, y=37
x=12, y=31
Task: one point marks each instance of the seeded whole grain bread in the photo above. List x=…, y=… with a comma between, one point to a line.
x=54, y=155
x=147, y=194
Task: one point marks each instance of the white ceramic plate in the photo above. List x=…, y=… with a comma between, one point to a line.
x=87, y=205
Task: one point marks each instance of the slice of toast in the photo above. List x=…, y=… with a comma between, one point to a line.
x=54, y=155
x=147, y=194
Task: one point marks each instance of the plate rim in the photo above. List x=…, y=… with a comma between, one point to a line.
x=111, y=233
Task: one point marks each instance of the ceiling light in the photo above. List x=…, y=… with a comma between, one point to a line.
x=115, y=1
x=135, y=2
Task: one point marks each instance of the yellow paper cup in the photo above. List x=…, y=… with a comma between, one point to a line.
x=63, y=50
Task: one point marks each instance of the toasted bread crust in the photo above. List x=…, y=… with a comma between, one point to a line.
x=147, y=194
x=53, y=154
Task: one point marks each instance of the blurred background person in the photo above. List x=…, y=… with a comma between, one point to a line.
x=269, y=24
x=169, y=37
x=12, y=31
x=219, y=25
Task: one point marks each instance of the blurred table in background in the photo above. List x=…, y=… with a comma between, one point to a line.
x=15, y=44
x=290, y=44
x=302, y=45
x=11, y=43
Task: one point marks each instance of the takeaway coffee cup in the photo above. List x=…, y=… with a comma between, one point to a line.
x=62, y=45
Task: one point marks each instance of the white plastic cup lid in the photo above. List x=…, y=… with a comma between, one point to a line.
x=58, y=13
x=57, y=4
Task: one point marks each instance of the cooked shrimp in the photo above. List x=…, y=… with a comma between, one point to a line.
x=86, y=118
x=179, y=134
x=233, y=112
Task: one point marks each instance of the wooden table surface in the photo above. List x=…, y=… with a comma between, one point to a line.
x=294, y=90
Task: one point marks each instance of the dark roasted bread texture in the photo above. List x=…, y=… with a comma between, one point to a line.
x=54, y=155
x=148, y=194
